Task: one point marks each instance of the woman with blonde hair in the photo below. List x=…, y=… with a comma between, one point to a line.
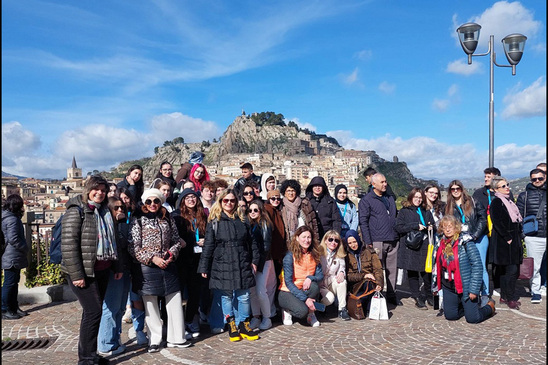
x=333, y=284
x=229, y=258
x=302, y=275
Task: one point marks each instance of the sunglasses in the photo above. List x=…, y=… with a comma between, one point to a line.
x=331, y=239
x=116, y=207
x=503, y=186
x=248, y=193
x=155, y=201
x=276, y=199
x=535, y=179
x=254, y=210
x=456, y=189
x=227, y=201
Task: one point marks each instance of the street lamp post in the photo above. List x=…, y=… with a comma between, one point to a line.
x=513, y=49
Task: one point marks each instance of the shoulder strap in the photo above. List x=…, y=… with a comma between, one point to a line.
x=541, y=206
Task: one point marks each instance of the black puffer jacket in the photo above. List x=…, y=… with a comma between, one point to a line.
x=408, y=220
x=228, y=253
x=477, y=221
x=529, y=204
x=16, y=245
x=326, y=208
x=79, y=241
x=264, y=242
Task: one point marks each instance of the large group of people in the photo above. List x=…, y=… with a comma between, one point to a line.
x=240, y=256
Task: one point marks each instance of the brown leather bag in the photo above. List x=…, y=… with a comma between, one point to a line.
x=354, y=302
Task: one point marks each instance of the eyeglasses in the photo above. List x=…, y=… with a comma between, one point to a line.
x=275, y=199
x=116, y=207
x=248, y=193
x=229, y=201
x=331, y=239
x=503, y=186
x=456, y=189
x=155, y=201
x=535, y=179
x=254, y=210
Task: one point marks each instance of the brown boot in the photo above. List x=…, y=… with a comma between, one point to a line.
x=491, y=303
x=233, y=329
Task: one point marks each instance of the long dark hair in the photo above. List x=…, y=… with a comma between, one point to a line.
x=139, y=185
x=438, y=205
x=467, y=202
x=189, y=214
x=126, y=192
x=15, y=204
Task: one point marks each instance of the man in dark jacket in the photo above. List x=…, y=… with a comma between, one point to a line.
x=247, y=175
x=377, y=215
x=532, y=202
x=368, y=173
x=327, y=212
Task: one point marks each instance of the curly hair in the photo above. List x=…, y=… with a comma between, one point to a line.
x=15, y=204
x=293, y=184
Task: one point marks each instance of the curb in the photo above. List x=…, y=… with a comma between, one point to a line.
x=45, y=294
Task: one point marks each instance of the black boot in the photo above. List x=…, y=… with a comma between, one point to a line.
x=233, y=329
x=419, y=303
x=246, y=331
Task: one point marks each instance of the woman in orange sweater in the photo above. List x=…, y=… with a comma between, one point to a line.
x=302, y=274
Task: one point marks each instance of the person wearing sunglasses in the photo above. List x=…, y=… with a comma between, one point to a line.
x=347, y=209
x=415, y=217
x=191, y=220
x=265, y=277
x=327, y=211
x=248, y=195
x=155, y=243
x=229, y=258
x=114, y=304
x=333, y=285
x=506, y=251
x=473, y=217
x=532, y=202
x=364, y=269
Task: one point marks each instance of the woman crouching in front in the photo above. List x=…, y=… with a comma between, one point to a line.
x=302, y=274
x=460, y=274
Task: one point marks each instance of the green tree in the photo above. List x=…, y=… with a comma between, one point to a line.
x=178, y=140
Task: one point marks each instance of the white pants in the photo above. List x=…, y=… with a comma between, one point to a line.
x=175, y=318
x=262, y=294
x=535, y=249
x=334, y=290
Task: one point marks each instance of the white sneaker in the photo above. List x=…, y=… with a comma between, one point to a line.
x=265, y=324
x=217, y=330
x=543, y=291
x=496, y=292
x=114, y=352
x=127, y=316
x=188, y=335
x=142, y=338
x=179, y=345
x=286, y=318
x=254, y=323
x=312, y=320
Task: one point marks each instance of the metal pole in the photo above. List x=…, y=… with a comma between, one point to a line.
x=491, y=101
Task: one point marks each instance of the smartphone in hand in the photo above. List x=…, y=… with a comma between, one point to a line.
x=319, y=306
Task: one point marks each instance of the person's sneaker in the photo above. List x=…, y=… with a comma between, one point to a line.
x=10, y=315
x=287, y=319
x=343, y=314
x=266, y=323
x=496, y=292
x=179, y=345
x=194, y=329
x=116, y=351
x=536, y=299
x=440, y=313
x=22, y=313
x=247, y=332
x=543, y=291
x=188, y=335
x=153, y=348
x=142, y=338
x=127, y=316
x=233, y=333
x=312, y=320
x=254, y=323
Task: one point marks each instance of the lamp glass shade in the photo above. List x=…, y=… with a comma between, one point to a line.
x=514, y=44
x=468, y=37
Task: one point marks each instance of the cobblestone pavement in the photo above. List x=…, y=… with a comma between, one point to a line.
x=411, y=336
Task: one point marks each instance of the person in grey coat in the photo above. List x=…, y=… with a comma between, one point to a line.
x=15, y=257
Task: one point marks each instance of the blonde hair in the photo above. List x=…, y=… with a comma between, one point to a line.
x=217, y=208
x=341, y=253
x=450, y=219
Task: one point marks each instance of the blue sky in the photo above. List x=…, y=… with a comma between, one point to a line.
x=107, y=81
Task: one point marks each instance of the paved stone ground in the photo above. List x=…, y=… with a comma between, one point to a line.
x=411, y=336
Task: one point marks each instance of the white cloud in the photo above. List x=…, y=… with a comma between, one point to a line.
x=352, y=78
x=302, y=125
x=440, y=105
x=18, y=140
x=429, y=158
x=529, y=102
x=461, y=67
x=364, y=55
x=169, y=126
x=387, y=87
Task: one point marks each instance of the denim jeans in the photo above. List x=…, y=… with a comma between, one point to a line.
x=536, y=247
x=482, y=245
x=236, y=303
x=10, y=289
x=457, y=305
x=215, y=318
x=137, y=315
x=114, y=306
x=91, y=299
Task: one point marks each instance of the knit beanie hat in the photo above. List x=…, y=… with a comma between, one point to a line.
x=196, y=157
x=271, y=193
x=151, y=194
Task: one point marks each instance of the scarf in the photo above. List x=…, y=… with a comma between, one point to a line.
x=358, y=252
x=512, y=208
x=291, y=213
x=447, y=257
x=106, y=243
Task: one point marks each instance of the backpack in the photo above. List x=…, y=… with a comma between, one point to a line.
x=55, y=256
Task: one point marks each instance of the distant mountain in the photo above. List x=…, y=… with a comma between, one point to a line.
x=7, y=174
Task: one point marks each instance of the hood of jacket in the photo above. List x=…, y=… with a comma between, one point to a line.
x=317, y=180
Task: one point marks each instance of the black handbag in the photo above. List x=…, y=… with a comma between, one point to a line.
x=413, y=240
